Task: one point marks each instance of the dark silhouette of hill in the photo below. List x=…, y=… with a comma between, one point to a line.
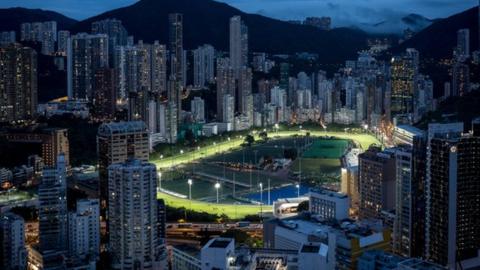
x=439, y=39
x=11, y=18
x=207, y=21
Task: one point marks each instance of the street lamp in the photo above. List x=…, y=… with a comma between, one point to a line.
x=217, y=187
x=190, y=182
x=298, y=190
x=261, y=199
x=181, y=151
x=159, y=181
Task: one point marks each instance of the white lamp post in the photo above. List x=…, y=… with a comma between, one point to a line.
x=159, y=181
x=190, y=182
x=298, y=190
x=217, y=187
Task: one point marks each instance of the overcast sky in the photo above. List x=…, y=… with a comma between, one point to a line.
x=343, y=12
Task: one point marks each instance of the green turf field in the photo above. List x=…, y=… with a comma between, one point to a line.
x=326, y=148
x=233, y=211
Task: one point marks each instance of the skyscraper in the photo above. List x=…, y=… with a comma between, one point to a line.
x=132, y=197
x=18, y=83
x=177, y=60
x=117, y=34
x=404, y=72
x=460, y=79
x=228, y=109
x=52, y=212
x=225, y=84
x=13, y=255
x=159, y=68
x=43, y=32
x=116, y=142
x=105, y=99
x=244, y=89
x=410, y=156
x=462, y=51
x=376, y=182
x=238, y=44
x=203, y=66
x=197, y=107
x=453, y=195
x=62, y=44
x=84, y=230
x=86, y=54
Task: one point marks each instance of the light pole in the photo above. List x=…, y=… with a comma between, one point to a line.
x=217, y=187
x=190, y=182
x=268, y=191
x=261, y=199
x=159, y=181
x=298, y=190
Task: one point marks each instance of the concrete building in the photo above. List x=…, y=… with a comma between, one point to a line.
x=116, y=142
x=453, y=196
x=340, y=243
x=13, y=255
x=177, y=61
x=217, y=254
x=326, y=204
x=86, y=53
x=197, y=107
x=84, y=230
x=132, y=187
x=349, y=179
x=203, y=66
x=18, y=83
x=376, y=182
x=238, y=45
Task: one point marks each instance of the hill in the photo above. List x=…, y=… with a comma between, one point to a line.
x=11, y=18
x=396, y=25
x=207, y=21
x=438, y=40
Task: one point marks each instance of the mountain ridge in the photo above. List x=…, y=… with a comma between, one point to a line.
x=207, y=21
x=12, y=18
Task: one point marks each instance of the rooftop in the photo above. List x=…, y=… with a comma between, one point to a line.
x=220, y=243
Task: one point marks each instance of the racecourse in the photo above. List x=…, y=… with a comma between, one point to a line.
x=239, y=211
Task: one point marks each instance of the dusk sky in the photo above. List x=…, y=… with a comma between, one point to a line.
x=343, y=12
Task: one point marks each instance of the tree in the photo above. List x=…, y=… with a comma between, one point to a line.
x=249, y=140
x=290, y=153
x=263, y=135
x=303, y=206
x=189, y=137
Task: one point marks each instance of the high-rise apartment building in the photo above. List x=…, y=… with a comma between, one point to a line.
x=244, y=89
x=18, y=83
x=238, y=45
x=177, y=61
x=228, y=109
x=453, y=196
x=462, y=51
x=225, y=84
x=203, y=66
x=105, y=99
x=43, y=32
x=84, y=230
x=410, y=161
x=7, y=37
x=52, y=212
x=62, y=43
x=404, y=72
x=197, y=107
x=116, y=142
x=86, y=54
x=132, y=196
x=13, y=255
x=376, y=182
